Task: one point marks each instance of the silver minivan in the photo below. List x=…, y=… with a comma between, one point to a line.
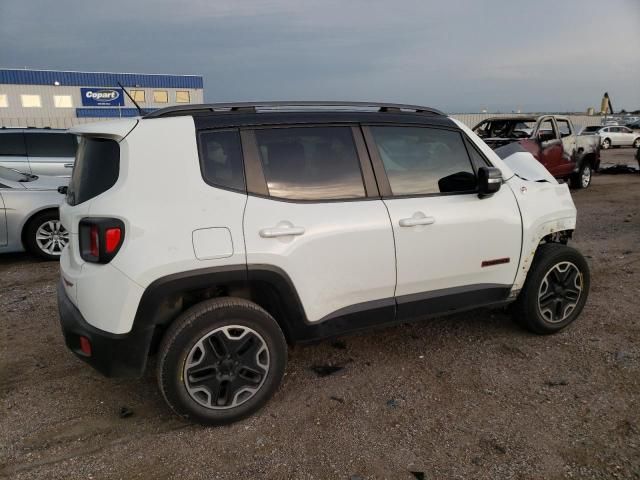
x=40, y=151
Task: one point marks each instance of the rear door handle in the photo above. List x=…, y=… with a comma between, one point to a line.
x=416, y=220
x=281, y=232
x=68, y=165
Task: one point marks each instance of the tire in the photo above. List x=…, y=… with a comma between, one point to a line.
x=606, y=144
x=636, y=143
x=206, y=371
x=582, y=178
x=45, y=236
x=553, y=261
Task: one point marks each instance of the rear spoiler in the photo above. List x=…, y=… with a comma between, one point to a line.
x=115, y=130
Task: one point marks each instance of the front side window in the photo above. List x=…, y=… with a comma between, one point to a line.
x=310, y=163
x=30, y=101
x=221, y=159
x=160, y=96
x=51, y=144
x=424, y=161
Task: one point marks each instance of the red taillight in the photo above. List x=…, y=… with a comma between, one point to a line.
x=112, y=238
x=85, y=346
x=94, y=241
x=100, y=238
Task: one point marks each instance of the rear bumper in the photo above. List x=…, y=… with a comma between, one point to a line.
x=113, y=355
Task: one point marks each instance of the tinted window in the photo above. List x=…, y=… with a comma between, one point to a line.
x=221, y=159
x=592, y=129
x=95, y=171
x=421, y=161
x=12, y=144
x=51, y=144
x=310, y=163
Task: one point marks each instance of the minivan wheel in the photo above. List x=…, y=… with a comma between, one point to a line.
x=555, y=290
x=606, y=143
x=221, y=360
x=45, y=236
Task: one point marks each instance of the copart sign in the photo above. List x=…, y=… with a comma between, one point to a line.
x=102, y=97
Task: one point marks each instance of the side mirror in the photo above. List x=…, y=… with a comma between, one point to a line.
x=489, y=181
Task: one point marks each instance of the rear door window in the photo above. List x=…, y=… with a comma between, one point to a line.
x=424, y=161
x=12, y=144
x=221, y=160
x=310, y=163
x=51, y=144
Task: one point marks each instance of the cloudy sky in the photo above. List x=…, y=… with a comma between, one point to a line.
x=460, y=56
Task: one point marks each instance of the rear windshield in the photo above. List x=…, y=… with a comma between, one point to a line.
x=95, y=171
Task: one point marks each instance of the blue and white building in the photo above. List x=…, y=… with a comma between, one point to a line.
x=60, y=99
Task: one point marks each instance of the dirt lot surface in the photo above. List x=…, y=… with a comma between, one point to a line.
x=468, y=396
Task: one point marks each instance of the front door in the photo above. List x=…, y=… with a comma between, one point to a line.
x=318, y=223
x=551, y=151
x=453, y=249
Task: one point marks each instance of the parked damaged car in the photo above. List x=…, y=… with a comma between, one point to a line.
x=551, y=139
x=29, y=218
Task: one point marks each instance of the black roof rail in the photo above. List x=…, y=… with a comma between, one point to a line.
x=252, y=107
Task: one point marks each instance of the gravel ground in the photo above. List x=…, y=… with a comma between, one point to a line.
x=468, y=396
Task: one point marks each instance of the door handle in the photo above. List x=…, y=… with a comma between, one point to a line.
x=68, y=165
x=415, y=221
x=281, y=232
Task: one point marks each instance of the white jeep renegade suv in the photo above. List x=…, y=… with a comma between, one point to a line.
x=214, y=235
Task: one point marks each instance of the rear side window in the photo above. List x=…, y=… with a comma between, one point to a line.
x=221, y=159
x=51, y=144
x=563, y=126
x=12, y=144
x=95, y=171
x=424, y=161
x=310, y=163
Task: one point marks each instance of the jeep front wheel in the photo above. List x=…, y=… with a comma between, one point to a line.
x=221, y=361
x=555, y=290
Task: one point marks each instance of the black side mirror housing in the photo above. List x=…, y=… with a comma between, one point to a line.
x=489, y=181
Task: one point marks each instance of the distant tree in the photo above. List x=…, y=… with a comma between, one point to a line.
x=623, y=111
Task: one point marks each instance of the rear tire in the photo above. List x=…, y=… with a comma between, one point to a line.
x=606, y=144
x=582, y=178
x=636, y=143
x=45, y=236
x=555, y=290
x=221, y=360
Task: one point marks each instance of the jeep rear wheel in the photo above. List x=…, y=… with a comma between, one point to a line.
x=555, y=291
x=221, y=361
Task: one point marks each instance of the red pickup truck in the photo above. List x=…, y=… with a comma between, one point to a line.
x=551, y=139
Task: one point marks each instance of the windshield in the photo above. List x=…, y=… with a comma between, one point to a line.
x=13, y=175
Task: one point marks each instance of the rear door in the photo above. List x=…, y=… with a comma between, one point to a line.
x=314, y=213
x=51, y=153
x=453, y=249
x=13, y=152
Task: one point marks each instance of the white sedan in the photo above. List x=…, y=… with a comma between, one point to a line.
x=29, y=218
x=614, y=136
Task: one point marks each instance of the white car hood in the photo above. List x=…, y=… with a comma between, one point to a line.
x=525, y=166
